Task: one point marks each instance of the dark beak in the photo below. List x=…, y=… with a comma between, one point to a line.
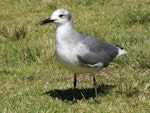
x=47, y=21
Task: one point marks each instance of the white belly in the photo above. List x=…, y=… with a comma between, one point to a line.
x=67, y=56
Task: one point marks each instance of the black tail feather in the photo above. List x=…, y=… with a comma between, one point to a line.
x=119, y=46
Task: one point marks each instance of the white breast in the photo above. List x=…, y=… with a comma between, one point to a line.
x=66, y=54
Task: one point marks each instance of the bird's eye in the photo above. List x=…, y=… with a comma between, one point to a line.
x=61, y=15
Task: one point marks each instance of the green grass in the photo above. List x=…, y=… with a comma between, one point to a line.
x=32, y=81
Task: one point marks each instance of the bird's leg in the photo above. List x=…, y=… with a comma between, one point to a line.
x=74, y=100
x=95, y=88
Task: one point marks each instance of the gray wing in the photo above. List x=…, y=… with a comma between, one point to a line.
x=100, y=52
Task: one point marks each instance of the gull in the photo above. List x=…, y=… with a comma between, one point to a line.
x=80, y=53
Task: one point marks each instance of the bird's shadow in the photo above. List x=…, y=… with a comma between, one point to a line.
x=79, y=93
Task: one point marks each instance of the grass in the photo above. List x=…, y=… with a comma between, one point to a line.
x=31, y=80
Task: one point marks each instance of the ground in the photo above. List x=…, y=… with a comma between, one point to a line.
x=31, y=79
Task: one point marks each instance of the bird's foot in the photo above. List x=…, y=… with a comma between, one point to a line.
x=96, y=100
x=74, y=100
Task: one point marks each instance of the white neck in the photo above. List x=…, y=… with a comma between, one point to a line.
x=63, y=30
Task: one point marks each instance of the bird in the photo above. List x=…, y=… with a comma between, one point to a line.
x=78, y=52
